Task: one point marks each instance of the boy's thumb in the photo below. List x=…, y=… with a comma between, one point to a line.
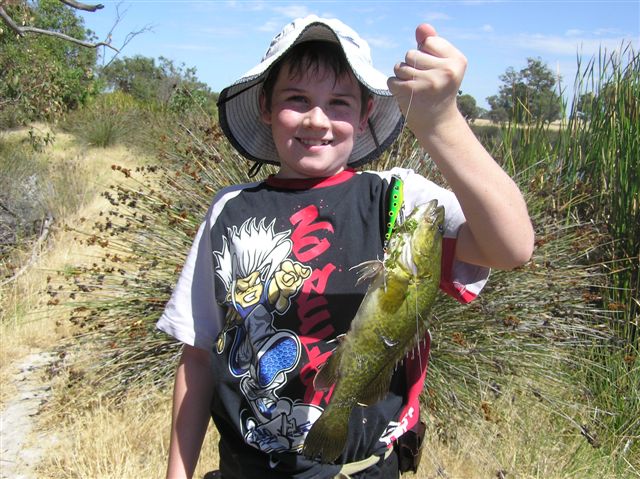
x=423, y=31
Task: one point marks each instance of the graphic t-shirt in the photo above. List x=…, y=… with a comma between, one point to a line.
x=268, y=287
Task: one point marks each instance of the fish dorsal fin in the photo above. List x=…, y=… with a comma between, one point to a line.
x=328, y=374
x=377, y=389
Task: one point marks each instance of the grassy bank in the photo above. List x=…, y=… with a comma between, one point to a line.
x=538, y=378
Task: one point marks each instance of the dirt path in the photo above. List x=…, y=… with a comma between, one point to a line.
x=21, y=445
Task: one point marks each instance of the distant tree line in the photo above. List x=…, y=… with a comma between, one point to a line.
x=43, y=76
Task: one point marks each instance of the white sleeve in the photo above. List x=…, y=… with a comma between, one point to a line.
x=192, y=315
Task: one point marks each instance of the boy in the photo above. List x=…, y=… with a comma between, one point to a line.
x=267, y=286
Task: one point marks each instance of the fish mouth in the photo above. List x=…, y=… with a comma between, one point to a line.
x=431, y=211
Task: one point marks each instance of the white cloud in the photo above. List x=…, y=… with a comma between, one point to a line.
x=606, y=31
x=293, y=11
x=574, y=32
x=372, y=20
x=254, y=6
x=197, y=47
x=382, y=42
x=487, y=28
x=436, y=16
x=223, y=31
x=271, y=26
x=481, y=2
x=560, y=45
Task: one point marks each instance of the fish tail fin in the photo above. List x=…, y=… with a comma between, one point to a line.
x=328, y=436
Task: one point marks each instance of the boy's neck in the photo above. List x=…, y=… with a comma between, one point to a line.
x=309, y=183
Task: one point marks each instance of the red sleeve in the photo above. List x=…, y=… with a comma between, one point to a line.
x=448, y=283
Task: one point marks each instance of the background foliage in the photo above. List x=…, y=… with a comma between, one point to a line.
x=44, y=76
x=527, y=95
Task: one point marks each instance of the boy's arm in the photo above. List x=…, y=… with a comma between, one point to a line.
x=191, y=398
x=498, y=231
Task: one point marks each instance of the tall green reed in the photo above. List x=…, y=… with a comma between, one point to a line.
x=586, y=170
x=605, y=154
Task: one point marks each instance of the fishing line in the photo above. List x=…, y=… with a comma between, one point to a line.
x=418, y=330
x=413, y=78
x=404, y=119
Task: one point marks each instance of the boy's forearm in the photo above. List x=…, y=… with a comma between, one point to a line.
x=191, y=399
x=498, y=232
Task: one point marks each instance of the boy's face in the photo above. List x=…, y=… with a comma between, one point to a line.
x=314, y=121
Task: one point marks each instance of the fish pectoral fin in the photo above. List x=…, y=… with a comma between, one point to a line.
x=368, y=270
x=338, y=339
x=328, y=373
x=377, y=389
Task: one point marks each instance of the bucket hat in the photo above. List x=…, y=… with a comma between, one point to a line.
x=239, y=105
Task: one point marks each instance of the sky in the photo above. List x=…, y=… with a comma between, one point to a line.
x=224, y=39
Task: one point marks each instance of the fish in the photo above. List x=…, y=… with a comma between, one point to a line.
x=392, y=319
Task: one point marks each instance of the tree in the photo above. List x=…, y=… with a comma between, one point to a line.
x=527, y=95
x=583, y=108
x=467, y=106
x=173, y=87
x=44, y=76
x=54, y=30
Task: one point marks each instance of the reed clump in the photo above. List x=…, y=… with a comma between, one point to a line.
x=560, y=331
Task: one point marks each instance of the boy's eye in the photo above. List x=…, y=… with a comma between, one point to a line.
x=339, y=102
x=296, y=98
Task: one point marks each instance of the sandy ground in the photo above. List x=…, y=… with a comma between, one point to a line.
x=21, y=445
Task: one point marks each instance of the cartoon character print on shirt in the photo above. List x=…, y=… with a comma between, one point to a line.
x=261, y=280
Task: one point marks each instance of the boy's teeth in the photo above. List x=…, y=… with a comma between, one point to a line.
x=313, y=142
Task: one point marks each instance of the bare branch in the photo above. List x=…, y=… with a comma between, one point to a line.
x=82, y=6
x=21, y=31
x=130, y=36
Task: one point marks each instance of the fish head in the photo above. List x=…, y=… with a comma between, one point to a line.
x=417, y=246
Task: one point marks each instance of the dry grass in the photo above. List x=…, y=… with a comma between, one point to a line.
x=130, y=439
x=29, y=318
x=124, y=440
x=523, y=440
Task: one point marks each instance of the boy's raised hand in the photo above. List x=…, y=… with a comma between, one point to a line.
x=427, y=82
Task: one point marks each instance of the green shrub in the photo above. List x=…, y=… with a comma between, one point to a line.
x=110, y=119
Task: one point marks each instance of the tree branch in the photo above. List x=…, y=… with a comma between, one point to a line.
x=82, y=6
x=22, y=30
x=130, y=36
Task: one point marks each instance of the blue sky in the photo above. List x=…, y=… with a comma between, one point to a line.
x=224, y=39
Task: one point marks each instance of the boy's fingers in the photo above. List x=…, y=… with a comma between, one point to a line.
x=439, y=47
x=395, y=85
x=403, y=71
x=420, y=60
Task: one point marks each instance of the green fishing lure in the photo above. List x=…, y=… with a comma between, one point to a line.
x=395, y=197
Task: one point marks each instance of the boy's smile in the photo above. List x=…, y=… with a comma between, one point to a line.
x=314, y=119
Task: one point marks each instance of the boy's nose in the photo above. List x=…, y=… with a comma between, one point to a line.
x=316, y=119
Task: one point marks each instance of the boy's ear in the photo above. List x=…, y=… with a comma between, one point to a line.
x=365, y=116
x=265, y=114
